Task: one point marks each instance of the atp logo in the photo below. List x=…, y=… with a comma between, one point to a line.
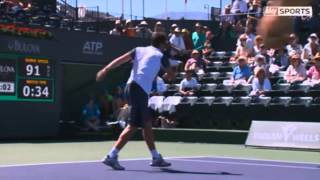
x=92, y=48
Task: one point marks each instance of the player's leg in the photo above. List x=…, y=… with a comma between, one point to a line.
x=112, y=157
x=125, y=136
x=148, y=135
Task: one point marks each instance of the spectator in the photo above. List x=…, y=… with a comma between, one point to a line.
x=208, y=44
x=239, y=7
x=172, y=28
x=187, y=39
x=264, y=52
x=250, y=31
x=158, y=27
x=196, y=63
x=294, y=46
x=177, y=41
x=242, y=48
x=198, y=37
x=143, y=31
x=129, y=29
x=257, y=42
x=158, y=87
x=311, y=48
x=242, y=72
x=105, y=102
x=188, y=85
x=239, y=28
x=91, y=114
x=281, y=59
x=260, y=83
x=117, y=30
x=260, y=62
x=227, y=17
x=296, y=72
x=255, y=12
x=313, y=74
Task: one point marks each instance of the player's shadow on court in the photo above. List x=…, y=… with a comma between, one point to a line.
x=174, y=171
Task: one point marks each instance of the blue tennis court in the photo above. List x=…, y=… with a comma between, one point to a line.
x=189, y=168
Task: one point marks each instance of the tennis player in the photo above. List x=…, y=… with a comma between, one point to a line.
x=147, y=62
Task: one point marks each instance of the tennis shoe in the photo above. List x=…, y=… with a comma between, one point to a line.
x=159, y=162
x=113, y=163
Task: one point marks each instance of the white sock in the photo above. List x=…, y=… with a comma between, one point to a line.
x=114, y=152
x=155, y=154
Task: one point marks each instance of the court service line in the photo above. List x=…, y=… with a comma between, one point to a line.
x=248, y=164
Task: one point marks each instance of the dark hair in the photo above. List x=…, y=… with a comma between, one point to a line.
x=157, y=39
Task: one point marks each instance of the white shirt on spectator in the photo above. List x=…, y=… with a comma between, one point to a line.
x=178, y=42
x=239, y=5
x=193, y=83
x=294, y=49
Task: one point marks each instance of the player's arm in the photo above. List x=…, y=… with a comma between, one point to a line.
x=114, y=64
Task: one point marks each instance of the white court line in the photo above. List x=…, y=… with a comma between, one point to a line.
x=93, y=161
x=248, y=164
x=184, y=158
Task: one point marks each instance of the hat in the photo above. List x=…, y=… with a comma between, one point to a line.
x=144, y=23
x=159, y=23
x=195, y=52
x=259, y=56
x=128, y=21
x=244, y=58
x=197, y=25
x=313, y=35
x=184, y=30
x=292, y=35
x=118, y=21
x=177, y=30
x=174, y=25
x=228, y=6
x=243, y=36
x=256, y=3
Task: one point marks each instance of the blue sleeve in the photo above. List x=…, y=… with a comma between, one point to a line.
x=248, y=72
x=234, y=72
x=165, y=62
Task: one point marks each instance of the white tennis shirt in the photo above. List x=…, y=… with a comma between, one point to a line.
x=147, y=62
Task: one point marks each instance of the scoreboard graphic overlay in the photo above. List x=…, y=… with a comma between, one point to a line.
x=26, y=78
